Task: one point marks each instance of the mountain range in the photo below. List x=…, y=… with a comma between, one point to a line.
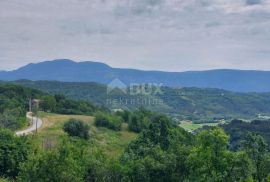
x=71, y=71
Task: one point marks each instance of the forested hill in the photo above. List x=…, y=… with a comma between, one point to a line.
x=67, y=70
x=186, y=103
x=14, y=103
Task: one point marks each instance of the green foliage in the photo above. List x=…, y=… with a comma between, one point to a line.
x=135, y=124
x=4, y=180
x=238, y=130
x=64, y=164
x=157, y=165
x=108, y=120
x=12, y=118
x=140, y=120
x=198, y=105
x=162, y=151
x=125, y=115
x=154, y=155
x=205, y=158
x=48, y=103
x=67, y=106
x=14, y=103
x=210, y=160
x=13, y=151
x=256, y=148
x=76, y=128
x=101, y=169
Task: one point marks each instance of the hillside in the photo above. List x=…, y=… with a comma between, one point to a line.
x=14, y=103
x=158, y=151
x=112, y=143
x=70, y=71
x=186, y=103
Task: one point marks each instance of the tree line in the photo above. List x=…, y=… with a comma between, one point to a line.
x=14, y=103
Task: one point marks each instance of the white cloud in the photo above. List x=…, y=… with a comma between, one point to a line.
x=170, y=35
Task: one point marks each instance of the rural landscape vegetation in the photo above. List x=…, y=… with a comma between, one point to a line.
x=194, y=134
x=135, y=91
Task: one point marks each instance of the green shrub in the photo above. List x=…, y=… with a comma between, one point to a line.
x=108, y=121
x=13, y=151
x=125, y=115
x=76, y=128
x=65, y=163
x=135, y=124
x=140, y=120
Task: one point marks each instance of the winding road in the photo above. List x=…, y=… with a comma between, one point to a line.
x=37, y=123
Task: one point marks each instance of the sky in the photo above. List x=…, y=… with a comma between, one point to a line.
x=169, y=35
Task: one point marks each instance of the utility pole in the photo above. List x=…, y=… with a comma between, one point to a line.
x=36, y=121
x=30, y=105
x=37, y=114
x=30, y=109
x=35, y=111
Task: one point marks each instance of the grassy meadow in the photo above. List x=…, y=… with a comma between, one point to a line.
x=112, y=143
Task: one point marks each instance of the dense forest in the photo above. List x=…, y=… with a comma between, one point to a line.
x=238, y=129
x=198, y=105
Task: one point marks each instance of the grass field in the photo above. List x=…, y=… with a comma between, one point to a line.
x=189, y=126
x=111, y=142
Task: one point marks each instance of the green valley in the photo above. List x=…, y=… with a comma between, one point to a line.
x=197, y=105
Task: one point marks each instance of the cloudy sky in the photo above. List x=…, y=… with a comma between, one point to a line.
x=172, y=35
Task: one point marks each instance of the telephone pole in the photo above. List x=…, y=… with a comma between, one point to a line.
x=36, y=121
x=30, y=105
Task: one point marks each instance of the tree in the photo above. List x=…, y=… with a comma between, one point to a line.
x=135, y=124
x=210, y=159
x=13, y=151
x=59, y=97
x=159, y=153
x=108, y=120
x=76, y=128
x=157, y=165
x=64, y=164
x=164, y=133
x=48, y=103
x=125, y=115
x=257, y=150
x=12, y=119
x=240, y=167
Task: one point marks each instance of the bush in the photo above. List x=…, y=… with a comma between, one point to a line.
x=139, y=121
x=108, y=121
x=135, y=124
x=12, y=119
x=13, y=151
x=125, y=115
x=76, y=128
x=65, y=163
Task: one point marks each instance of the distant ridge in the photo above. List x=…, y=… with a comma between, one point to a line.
x=89, y=71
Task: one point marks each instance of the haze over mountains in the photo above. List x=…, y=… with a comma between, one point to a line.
x=70, y=71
